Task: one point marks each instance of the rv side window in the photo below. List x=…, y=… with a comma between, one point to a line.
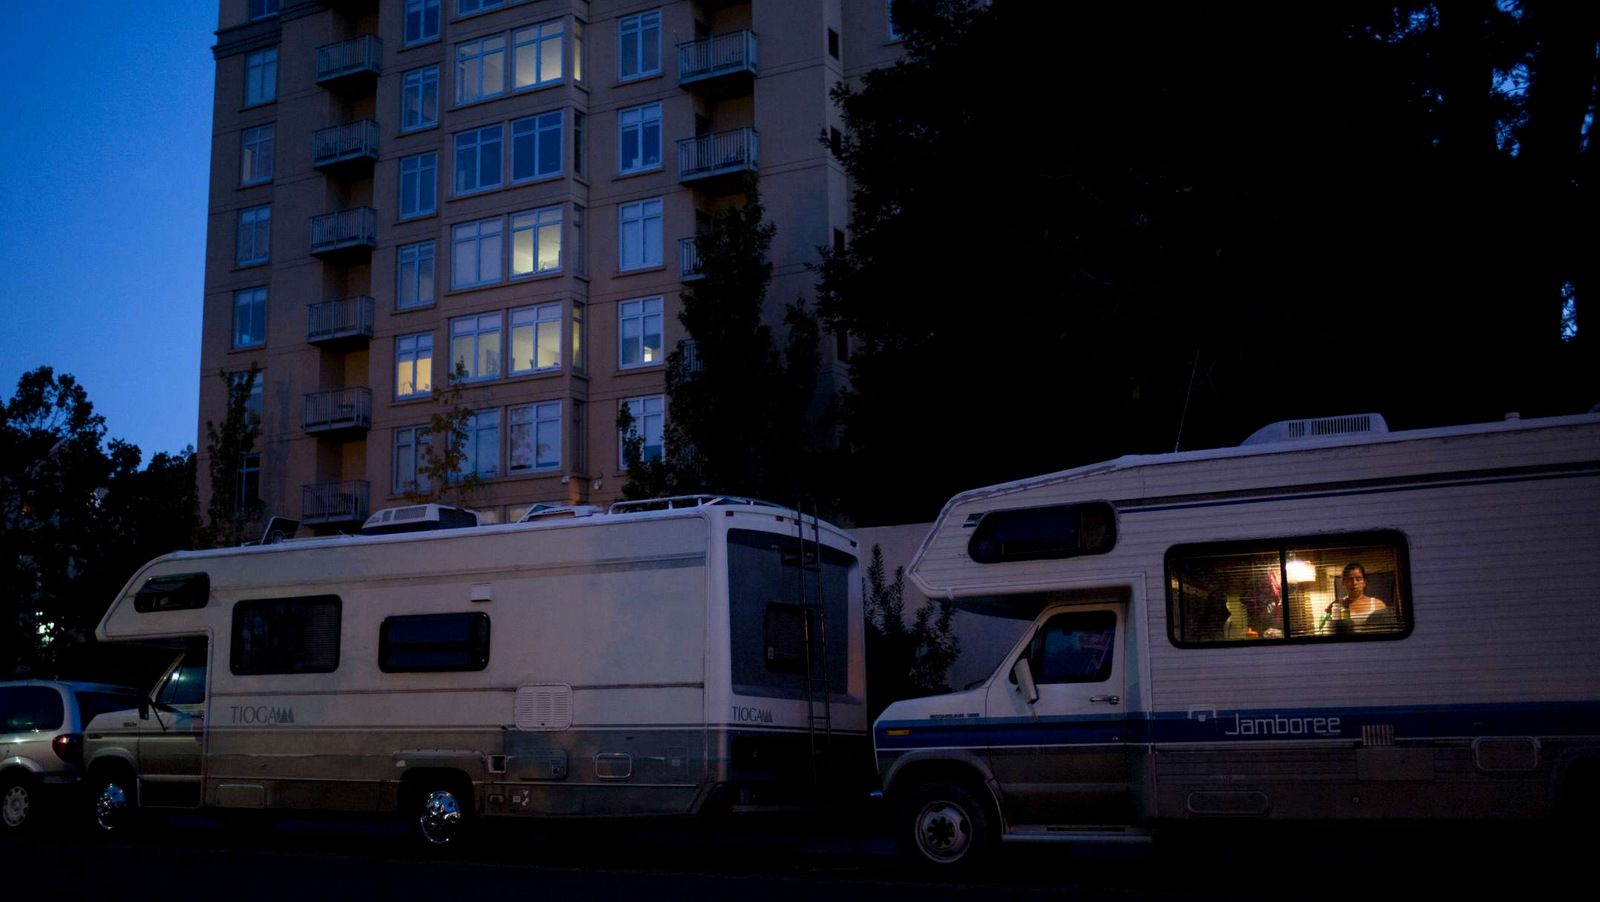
x=1044, y=533
x=434, y=642
x=1075, y=647
x=786, y=638
x=177, y=592
x=1315, y=589
x=286, y=635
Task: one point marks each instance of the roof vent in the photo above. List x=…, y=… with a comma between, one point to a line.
x=557, y=511
x=418, y=518
x=1321, y=427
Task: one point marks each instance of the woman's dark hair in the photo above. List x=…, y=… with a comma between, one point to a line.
x=1355, y=565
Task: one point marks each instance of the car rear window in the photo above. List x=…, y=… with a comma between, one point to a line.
x=25, y=708
x=94, y=704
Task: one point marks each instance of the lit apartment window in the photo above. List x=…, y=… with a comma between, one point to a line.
x=481, y=68
x=422, y=21
x=255, y=155
x=414, y=281
x=419, y=180
x=579, y=358
x=639, y=332
x=535, y=339
x=413, y=365
x=261, y=76
x=536, y=55
x=419, y=99
x=478, y=155
x=536, y=242
x=639, y=138
x=410, y=459
x=260, y=9
x=536, y=147
x=649, y=416
x=475, y=346
x=475, y=253
x=255, y=235
x=481, y=454
x=639, y=45
x=580, y=59
x=639, y=225
x=465, y=7
x=250, y=317
x=535, y=437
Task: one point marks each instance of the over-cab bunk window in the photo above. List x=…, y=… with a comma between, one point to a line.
x=285, y=635
x=1044, y=533
x=1312, y=589
x=175, y=592
x=434, y=642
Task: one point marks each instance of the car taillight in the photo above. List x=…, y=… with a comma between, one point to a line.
x=69, y=748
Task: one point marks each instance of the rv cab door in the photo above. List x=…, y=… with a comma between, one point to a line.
x=1062, y=759
x=172, y=739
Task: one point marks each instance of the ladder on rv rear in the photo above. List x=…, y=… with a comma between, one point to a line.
x=819, y=704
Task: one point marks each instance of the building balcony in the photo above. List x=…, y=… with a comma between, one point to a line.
x=720, y=66
x=346, y=150
x=342, y=324
x=346, y=234
x=722, y=156
x=350, y=65
x=688, y=261
x=330, y=503
x=344, y=413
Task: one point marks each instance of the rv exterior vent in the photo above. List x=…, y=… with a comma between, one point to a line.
x=1322, y=427
x=544, y=706
x=553, y=511
x=417, y=518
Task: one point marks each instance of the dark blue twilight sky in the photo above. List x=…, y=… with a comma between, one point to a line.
x=105, y=143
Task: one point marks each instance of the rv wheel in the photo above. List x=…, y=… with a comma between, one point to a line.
x=946, y=825
x=439, y=814
x=115, y=803
x=16, y=803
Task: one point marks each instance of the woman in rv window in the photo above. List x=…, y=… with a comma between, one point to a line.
x=1357, y=609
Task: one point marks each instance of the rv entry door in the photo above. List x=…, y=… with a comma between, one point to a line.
x=1062, y=760
x=172, y=739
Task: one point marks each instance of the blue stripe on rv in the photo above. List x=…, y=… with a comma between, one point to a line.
x=1409, y=722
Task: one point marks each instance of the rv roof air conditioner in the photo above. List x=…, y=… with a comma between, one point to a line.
x=1321, y=427
x=418, y=518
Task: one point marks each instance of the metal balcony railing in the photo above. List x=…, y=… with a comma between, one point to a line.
x=723, y=152
x=339, y=410
x=720, y=55
x=688, y=261
x=335, y=502
x=357, y=56
x=357, y=228
x=344, y=318
x=348, y=143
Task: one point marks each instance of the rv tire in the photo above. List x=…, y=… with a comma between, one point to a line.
x=439, y=811
x=946, y=825
x=113, y=800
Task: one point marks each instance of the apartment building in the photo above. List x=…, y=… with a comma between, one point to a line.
x=509, y=190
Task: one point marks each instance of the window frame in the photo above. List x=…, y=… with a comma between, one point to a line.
x=419, y=80
x=642, y=317
x=422, y=7
x=463, y=56
x=484, y=146
x=537, y=317
x=413, y=355
x=537, y=127
x=641, y=127
x=265, y=63
x=416, y=258
x=480, y=425
x=252, y=157
x=539, y=44
x=1282, y=546
x=255, y=302
x=479, y=239
x=639, y=420
x=261, y=9
x=535, y=222
x=424, y=166
x=624, y=220
x=250, y=605
x=537, y=416
x=420, y=440
x=259, y=228
x=479, y=330
x=639, y=24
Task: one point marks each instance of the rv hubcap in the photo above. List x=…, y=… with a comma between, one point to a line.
x=441, y=817
x=108, y=808
x=943, y=831
x=15, y=807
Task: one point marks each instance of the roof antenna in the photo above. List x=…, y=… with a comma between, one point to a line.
x=1185, y=415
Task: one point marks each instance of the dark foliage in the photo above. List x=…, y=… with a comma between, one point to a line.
x=904, y=661
x=1079, y=228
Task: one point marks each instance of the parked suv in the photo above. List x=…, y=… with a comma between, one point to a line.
x=41, y=743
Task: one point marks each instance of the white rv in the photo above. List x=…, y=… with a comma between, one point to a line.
x=1331, y=621
x=661, y=658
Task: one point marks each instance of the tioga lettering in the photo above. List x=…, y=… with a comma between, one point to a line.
x=261, y=714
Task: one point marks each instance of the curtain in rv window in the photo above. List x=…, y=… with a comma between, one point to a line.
x=434, y=642
x=1312, y=589
x=286, y=635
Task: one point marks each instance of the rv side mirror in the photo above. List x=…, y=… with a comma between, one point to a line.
x=144, y=707
x=1024, y=677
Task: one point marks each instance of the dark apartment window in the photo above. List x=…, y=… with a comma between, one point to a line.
x=177, y=592
x=838, y=241
x=835, y=141
x=833, y=43
x=434, y=642
x=249, y=482
x=286, y=635
x=260, y=9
